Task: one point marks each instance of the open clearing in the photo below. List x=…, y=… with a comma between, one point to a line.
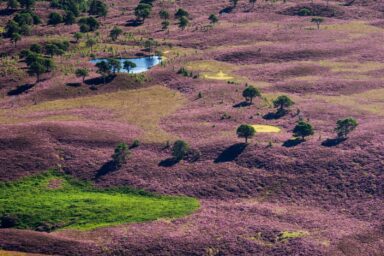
x=52, y=201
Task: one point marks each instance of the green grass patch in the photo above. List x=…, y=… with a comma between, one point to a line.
x=55, y=201
x=287, y=235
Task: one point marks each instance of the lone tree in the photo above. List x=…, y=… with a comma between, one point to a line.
x=303, y=129
x=165, y=24
x=82, y=72
x=120, y=155
x=164, y=14
x=90, y=43
x=213, y=19
x=317, y=21
x=128, y=65
x=251, y=92
x=55, y=18
x=15, y=37
x=345, y=126
x=103, y=69
x=180, y=150
x=183, y=22
x=142, y=11
x=115, y=33
x=282, y=103
x=245, y=131
x=77, y=36
x=181, y=13
x=252, y=2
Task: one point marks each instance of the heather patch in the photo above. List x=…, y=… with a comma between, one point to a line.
x=52, y=201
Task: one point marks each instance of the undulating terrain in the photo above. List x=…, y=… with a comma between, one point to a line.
x=272, y=196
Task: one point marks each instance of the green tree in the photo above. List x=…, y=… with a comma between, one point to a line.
x=53, y=49
x=36, y=68
x=27, y=4
x=345, y=126
x=317, y=21
x=77, y=36
x=303, y=129
x=103, y=69
x=99, y=8
x=128, y=65
x=120, y=155
x=142, y=11
x=54, y=18
x=213, y=19
x=69, y=18
x=251, y=92
x=90, y=43
x=15, y=37
x=150, y=44
x=164, y=14
x=183, y=22
x=115, y=33
x=245, y=131
x=82, y=72
x=180, y=149
x=282, y=102
x=36, y=48
x=12, y=4
x=11, y=28
x=165, y=24
x=88, y=24
x=114, y=65
x=181, y=13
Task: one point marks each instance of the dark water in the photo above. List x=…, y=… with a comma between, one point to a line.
x=142, y=64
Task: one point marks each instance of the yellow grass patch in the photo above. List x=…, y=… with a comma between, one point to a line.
x=142, y=107
x=260, y=128
x=12, y=253
x=218, y=76
x=354, y=28
x=371, y=101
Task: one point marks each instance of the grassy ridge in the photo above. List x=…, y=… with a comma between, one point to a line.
x=58, y=201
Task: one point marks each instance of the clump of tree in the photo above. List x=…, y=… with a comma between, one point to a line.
x=115, y=33
x=251, y=92
x=82, y=72
x=181, y=13
x=114, y=65
x=303, y=129
x=317, y=21
x=21, y=24
x=183, y=22
x=37, y=63
x=150, y=45
x=143, y=11
x=282, y=103
x=344, y=127
x=103, y=69
x=245, y=131
x=119, y=157
x=69, y=18
x=56, y=48
x=164, y=15
x=88, y=24
x=98, y=8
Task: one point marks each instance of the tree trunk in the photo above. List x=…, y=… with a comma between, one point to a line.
x=246, y=140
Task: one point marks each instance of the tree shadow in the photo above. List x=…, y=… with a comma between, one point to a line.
x=169, y=162
x=332, y=142
x=242, y=104
x=73, y=84
x=106, y=168
x=292, y=142
x=100, y=80
x=133, y=23
x=225, y=10
x=20, y=89
x=275, y=115
x=7, y=12
x=231, y=153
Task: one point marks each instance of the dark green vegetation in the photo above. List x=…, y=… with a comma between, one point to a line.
x=245, y=131
x=51, y=200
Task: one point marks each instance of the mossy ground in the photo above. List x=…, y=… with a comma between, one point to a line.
x=55, y=200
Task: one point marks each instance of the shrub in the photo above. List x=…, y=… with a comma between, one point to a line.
x=304, y=12
x=54, y=18
x=135, y=144
x=345, y=126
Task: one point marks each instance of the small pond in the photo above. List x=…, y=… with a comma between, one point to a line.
x=142, y=64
